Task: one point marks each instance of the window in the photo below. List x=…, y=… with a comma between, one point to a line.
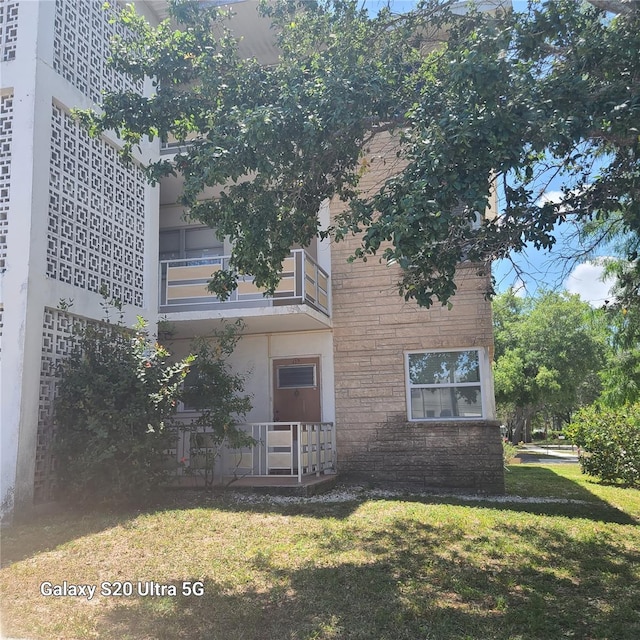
x=192, y=389
x=195, y=242
x=296, y=376
x=444, y=384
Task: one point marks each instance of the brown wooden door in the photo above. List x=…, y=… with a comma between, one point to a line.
x=296, y=390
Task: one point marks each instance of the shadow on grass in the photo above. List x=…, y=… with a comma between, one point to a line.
x=415, y=580
x=540, y=482
x=42, y=534
x=60, y=524
x=532, y=489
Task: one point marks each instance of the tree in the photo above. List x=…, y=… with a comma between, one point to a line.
x=621, y=376
x=508, y=100
x=549, y=351
x=116, y=399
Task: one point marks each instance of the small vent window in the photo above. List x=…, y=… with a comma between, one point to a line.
x=296, y=376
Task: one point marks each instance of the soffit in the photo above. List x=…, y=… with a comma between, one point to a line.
x=253, y=31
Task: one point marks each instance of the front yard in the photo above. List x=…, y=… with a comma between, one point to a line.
x=561, y=561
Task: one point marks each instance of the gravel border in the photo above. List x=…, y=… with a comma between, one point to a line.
x=358, y=494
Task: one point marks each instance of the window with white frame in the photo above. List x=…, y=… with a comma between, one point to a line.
x=444, y=384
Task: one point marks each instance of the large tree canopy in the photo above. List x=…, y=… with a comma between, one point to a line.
x=506, y=102
x=549, y=351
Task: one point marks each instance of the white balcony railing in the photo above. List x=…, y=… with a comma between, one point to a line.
x=281, y=449
x=183, y=285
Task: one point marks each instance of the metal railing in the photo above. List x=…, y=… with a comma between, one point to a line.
x=184, y=284
x=279, y=449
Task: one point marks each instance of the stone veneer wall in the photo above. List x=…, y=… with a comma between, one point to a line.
x=373, y=327
x=434, y=455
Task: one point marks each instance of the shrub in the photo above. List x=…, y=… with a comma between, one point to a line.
x=610, y=442
x=115, y=393
x=509, y=452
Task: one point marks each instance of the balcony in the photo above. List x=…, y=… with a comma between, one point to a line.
x=184, y=294
x=283, y=454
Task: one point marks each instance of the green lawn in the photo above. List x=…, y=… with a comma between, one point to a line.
x=406, y=567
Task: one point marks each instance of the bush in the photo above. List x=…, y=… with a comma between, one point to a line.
x=610, y=442
x=509, y=452
x=115, y=393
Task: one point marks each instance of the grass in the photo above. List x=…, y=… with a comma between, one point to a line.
x=419, y=568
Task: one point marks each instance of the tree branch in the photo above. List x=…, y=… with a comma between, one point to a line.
x=626, y=7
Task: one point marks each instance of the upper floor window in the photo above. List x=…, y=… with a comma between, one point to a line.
x=194, y=242
x=444, y=384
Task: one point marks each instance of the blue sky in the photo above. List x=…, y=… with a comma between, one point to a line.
x=533, y=270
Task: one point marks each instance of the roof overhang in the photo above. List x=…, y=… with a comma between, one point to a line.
x=259, y=320
x=253, y=31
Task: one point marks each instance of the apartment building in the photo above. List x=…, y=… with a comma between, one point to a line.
x=344, y=375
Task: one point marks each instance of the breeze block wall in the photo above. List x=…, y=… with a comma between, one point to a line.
x=373, y=327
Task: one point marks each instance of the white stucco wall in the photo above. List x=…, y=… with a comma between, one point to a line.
x=254, y=355
x=25, y=289
x=18, y=382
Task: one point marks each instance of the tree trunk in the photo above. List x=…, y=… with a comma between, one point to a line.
x=522, y=425
x=527, y=427
x=518, y=426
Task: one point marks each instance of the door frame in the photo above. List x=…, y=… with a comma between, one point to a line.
x=317, y=361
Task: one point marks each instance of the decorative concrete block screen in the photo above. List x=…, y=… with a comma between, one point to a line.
x=8, y=28
x=96, y=214
x=82, y=47
x=6, y=133
x=58, y=337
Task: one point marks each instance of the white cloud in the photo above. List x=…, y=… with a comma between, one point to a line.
x=556, y=197
x=586, y=280
x=550, y=196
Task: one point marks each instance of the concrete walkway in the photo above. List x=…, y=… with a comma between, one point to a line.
x=548, y=455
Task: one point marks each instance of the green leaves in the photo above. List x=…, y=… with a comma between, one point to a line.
x=116, y=392
x=503, y=101
x=549, y=350
x=213, y=389
x=217, y=393
x=610, y=439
